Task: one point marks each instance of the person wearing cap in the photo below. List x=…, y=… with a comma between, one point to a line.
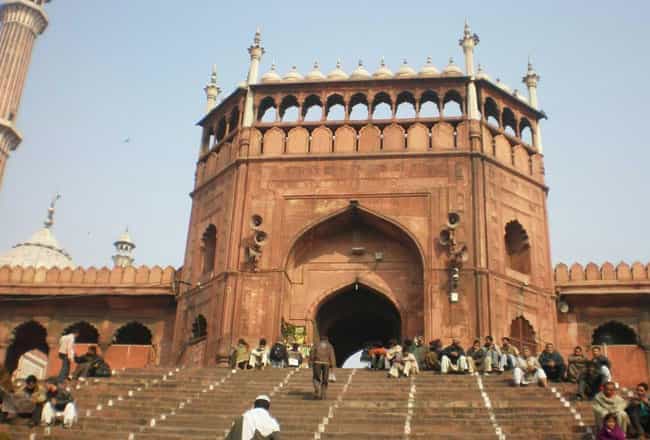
x=322, y=359
x=30, y=400
x=256, y=423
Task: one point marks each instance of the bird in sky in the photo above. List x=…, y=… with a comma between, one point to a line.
x=126, y=140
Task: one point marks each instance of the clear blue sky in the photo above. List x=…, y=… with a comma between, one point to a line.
x=107, y=70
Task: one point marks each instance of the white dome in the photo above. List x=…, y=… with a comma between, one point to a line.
x=360, y=72
x=429, y=69
x=315, y=74
x=271, y=76
x=293, y=75
x=338, y=73
x=405, y=71
x=41, y=250
x=452, y=69
x=383, y=72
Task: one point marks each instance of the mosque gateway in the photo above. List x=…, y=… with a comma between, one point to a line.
x=374, y=204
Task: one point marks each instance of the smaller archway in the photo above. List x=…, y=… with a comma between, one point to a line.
x=88, y=334
x=312, y=109
x=382, y=106
x=614, y=333
x=522, y=334
x=132, y=333
x=267, y=110
x=199, y=327
x=209, y=248
x=27, y=336
x=452, y=104
x=517, y=247
x=335, y=108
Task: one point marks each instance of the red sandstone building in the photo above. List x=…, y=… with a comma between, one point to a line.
x=363, y=205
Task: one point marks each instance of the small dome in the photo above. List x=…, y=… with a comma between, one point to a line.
x=503, y=86
x=271, y=76
x=125, y=238
x=360, y=72
x=405, y=71
x=480, y=74
x=519, y=96
x=452, y=69
x=429, y=69
x=41, y=250
x=315, y=74
x=383, y=72
x=338, y=73
x=293, y=75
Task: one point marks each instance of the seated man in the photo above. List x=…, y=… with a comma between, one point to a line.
x=419, y=351
x=453, y=358
x=259, y=356
x=30, y=399
x=7, y=408
x=394, y=349
x=397, y=365
x=433, y=356
x=528, y=370
x=87, y=364
x=608, y=401
x=477, y=358
x=278, y=355
x=377, y=355
x=294, y=356
x=552, y=363
x=577, y=365
x=602, y=364
x=638, y=410
x=240, y=355
x=410, y=363
x=493, y=355
x=589, y=382
x=509, y=355
x=58, y=400
x=256, y=423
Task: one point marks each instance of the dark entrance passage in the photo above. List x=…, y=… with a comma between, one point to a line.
x=27, y=336
x=356, y=316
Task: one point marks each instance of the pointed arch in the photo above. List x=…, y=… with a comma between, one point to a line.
x=522, y=334
x=88, y=333
x=133, y=333
x=614, y=333
x=30, y=335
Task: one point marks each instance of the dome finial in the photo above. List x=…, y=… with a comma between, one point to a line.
x=49, y=221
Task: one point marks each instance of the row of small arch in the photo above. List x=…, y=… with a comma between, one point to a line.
x=606, y=272
x=90, y=275
x=346, y=139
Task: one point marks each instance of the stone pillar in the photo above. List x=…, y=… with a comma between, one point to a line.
x=21, y=21
x=212, y=91
x=256, y=51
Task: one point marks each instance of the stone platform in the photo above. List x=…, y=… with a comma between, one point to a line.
x=200, y=404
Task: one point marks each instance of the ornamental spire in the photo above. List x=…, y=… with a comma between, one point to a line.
x=49, y=221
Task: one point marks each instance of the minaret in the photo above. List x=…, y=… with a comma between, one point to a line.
x=124, y=250
x=21, y=21
x=531, y=79
x=256, y=51
x=212, y=90
x=468, y=43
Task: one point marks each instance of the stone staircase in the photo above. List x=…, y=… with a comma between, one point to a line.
x=199, y=404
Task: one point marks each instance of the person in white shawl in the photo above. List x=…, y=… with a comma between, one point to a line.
x=256, y=423
x=528, y=370
x=607, y=401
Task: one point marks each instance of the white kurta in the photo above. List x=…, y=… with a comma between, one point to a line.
x=258, y=419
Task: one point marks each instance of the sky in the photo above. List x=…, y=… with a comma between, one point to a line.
x=105, y=71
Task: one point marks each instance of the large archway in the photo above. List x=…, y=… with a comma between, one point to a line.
x=356, y=316
x=27, y=336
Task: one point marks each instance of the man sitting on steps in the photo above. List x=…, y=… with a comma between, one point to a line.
x=256, y=423
x=322, y=358
x=453, y=358
x=528, y=370
x=509, y=355
x=552, y=363
x=259, y=356
x=608, y=401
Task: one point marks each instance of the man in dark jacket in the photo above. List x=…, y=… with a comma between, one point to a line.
x=30, y=400
x=58, y=400
x=87, y=363
x=434, y=355
x=639, y=411
x=477, y=359
x=278, y=355
x=552, y=363
x=322, y=358
x=453, y=358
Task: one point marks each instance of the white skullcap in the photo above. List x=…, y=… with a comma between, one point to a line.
x=263, y=397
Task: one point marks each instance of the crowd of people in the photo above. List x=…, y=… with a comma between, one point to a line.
x=45, y=402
